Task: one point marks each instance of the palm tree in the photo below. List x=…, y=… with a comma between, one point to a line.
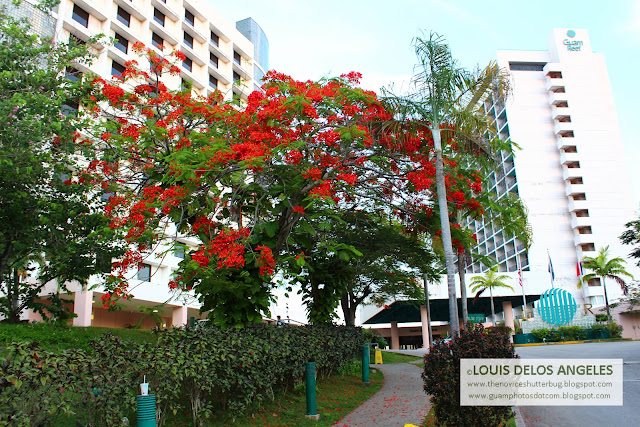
x=490, y=280
x=449, y=95
x=604, y=268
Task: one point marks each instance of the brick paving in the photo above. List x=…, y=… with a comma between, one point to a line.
x=400, y=401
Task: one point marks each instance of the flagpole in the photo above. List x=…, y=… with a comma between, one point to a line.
x=521, y=280
x=550, y=268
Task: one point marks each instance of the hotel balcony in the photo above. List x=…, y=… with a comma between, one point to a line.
x=580, y=221
x=94, y=7
x=564, y=142
x=569, y=157
x=563, y=128
x=132, y=8
x=578, y=205
x=552, y=68
x=571, y=189
x=560, y=113
x=166, y=9
x=582, y=239
x=554, y=84
x=558, y=99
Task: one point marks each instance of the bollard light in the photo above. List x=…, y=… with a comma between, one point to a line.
x=365, y=363
x=310, y=383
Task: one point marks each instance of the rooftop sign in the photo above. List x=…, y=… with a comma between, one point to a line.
x=573, y=45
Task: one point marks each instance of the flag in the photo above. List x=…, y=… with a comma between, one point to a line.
x=579, y=270
x=520, y=277
x=553, y=275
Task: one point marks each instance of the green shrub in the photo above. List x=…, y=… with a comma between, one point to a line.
x=615, y=330
x=541, y=333
x=501, y=328
x=371, y=336
x=442, y=376
x=205, y=372
x=601, y=318
x=598, y=329
x=572, y=333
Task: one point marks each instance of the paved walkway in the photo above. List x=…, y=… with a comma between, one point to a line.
x=400, y=401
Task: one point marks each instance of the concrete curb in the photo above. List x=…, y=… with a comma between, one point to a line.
x=572, y=342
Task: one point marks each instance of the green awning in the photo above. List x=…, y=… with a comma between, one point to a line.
x=409, y=311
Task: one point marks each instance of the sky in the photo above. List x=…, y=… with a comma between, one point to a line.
x=314, y=39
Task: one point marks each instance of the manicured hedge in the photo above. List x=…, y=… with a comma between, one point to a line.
x=206, y=371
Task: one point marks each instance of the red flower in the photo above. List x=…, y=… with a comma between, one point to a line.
x=313, y=173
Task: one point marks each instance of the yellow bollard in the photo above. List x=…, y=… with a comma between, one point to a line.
x=378, y=357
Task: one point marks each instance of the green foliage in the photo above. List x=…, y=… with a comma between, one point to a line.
x=598, y=329
x=572, y=333
x=517, y=326
x=442, y=376
x=604, y=267
x=601, y=317
x=541, y=333
x=61, y=337
x=615, y=330
x=53, y=227
x=372, y=336
x=206, y=372
x=631, y=236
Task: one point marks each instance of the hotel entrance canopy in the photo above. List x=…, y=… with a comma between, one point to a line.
x=409, y=311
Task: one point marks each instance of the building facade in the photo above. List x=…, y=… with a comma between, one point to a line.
x=218, y=56
x=569, y=172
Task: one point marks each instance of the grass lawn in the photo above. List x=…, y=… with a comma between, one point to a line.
x=336, y=397
x=390, y=357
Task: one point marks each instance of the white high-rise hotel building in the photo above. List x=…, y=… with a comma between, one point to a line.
x=570, y=171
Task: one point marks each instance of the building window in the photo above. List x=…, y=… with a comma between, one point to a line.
x=236, y=76
x=237, y=58
x=594, y=282
x=124, y=17
x=526, y=66
x=188, y=40
x=215, y=39
x=178, y=252
x=72, y=74
x=158, y=17
x=157, y=41
x=187, y=64
x=70, y=108
x=213, y=82
x=75, y=41
x=122, y=43
x=188, y=16
x=144, y=274
x=116, y=68
x=213, y=59
x=80, y=15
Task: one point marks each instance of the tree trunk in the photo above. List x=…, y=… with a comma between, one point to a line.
x=606, y=299
x=446, y=231
x=348, y=309
x=493, y=309
x=463, y=287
